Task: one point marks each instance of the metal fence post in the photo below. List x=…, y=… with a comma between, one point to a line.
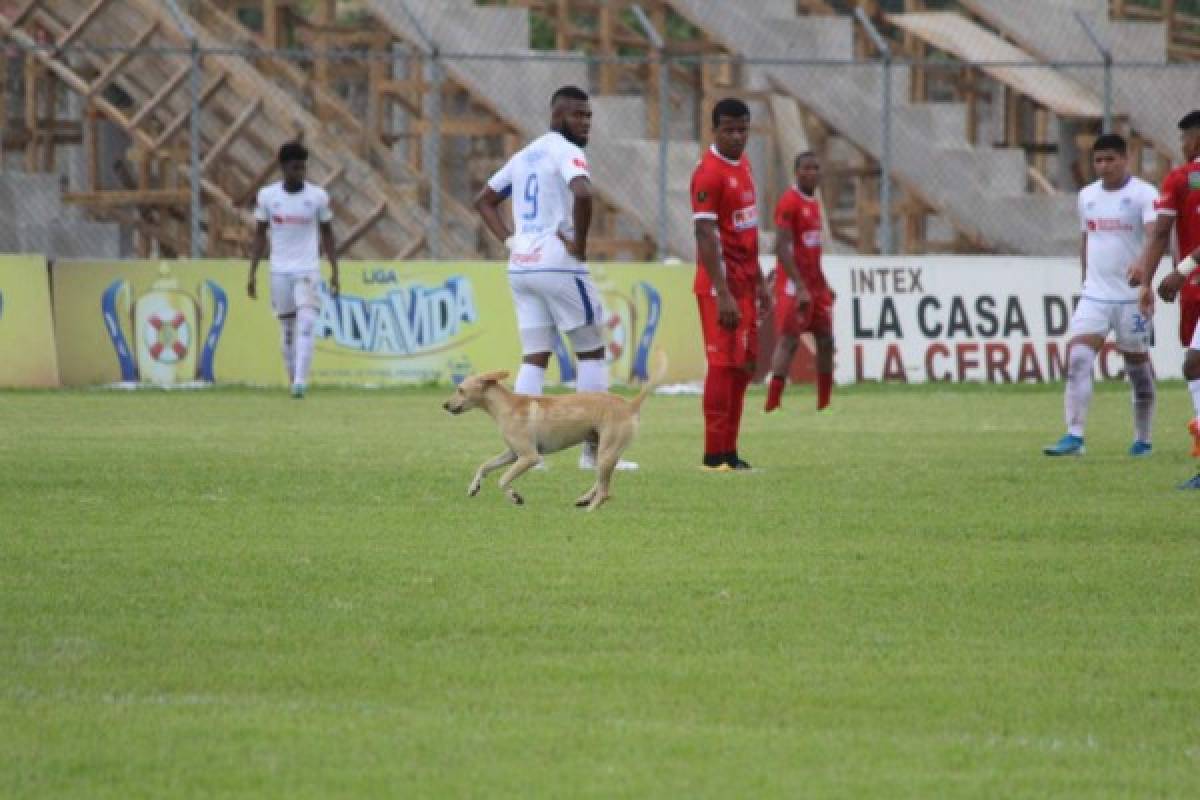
x=435, y=155
x=1105, y=54
x=194, y=150
x=664, y=88
x=885, y=155
x=193, y=122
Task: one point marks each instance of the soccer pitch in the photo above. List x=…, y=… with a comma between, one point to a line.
x=232, y=593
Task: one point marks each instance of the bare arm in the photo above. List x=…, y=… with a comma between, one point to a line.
x=258, y=247
x=1083, y=257
x=329, y=245
x=785, y=257
x=708, y=249
x=487, y=203
x=581, y=187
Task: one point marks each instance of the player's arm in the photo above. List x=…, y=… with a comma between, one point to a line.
x=708, y=248
x=1158, y=242
x=581, y=188
x=785, y=259
x=258, y=248
x=329, y=245
x=487, y=203
x=1083, y=256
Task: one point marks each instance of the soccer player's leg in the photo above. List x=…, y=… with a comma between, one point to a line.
x=575, y=304
x=1089, y=325
x=1135, y=335
x=535, y=328
x=746, y=360
x=719, y=381
x=283, y=303
x=308, y=305
x=821, y=326
x=787, y=340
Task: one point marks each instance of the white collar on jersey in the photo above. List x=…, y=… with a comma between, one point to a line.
x=717, y=153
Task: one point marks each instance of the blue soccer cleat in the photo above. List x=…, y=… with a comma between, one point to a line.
x=1068, y=445
x=1194, y=483
x=1139, y=448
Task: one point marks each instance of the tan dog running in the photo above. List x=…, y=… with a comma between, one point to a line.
x=532, y=426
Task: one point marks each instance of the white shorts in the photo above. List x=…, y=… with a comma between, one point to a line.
x=292, y=290
x=562, y=300
x=1133, y=331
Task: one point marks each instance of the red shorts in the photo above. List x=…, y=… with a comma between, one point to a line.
x=1189, y=312
x=817, y=320
x=729, y=347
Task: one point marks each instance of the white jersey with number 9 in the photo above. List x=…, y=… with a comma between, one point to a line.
x=538, y=179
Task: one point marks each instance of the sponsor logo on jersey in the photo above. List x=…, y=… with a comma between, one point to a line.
x=745, y=218
x=1194, y=179
x=1108, y=225
x=579, y=162
x=526, y=259
x=290, y=219
x=701, y=197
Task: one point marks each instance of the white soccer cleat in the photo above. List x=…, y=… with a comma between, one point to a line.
x=587, y=460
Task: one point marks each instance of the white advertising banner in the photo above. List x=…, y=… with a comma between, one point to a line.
x=993, y=319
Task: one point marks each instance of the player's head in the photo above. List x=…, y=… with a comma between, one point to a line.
x=808, y=171
x=1110, y=160
x=1189, y=128
x=571, y=114
x=731, y=127
x=293, y=159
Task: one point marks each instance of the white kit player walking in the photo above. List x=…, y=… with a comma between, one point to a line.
x=294, y=211
x=1116, y=215
x=552, y=290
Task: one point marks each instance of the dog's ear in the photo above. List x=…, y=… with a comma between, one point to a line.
x=494, y=377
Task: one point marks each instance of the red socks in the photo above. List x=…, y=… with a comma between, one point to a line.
x=824, y=389
x=775, y=392
x=724, y=399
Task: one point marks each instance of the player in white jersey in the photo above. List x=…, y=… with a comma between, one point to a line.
x=294, y=211
x=551, y=190
x=1116, y=215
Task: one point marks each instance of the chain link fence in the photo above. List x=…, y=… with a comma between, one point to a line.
x=147, y=135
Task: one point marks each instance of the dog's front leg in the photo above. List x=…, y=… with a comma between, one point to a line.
x=524, y=463
x=487, y=467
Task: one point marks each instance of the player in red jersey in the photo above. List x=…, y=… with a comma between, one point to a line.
x=803, y=299
x=728, y=280
x=1179, y=208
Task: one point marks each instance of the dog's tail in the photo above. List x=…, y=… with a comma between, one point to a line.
x=656, y=379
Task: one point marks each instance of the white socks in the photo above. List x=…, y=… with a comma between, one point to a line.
x=306, y=320
x=287, y=345
x=1079, y=388
x=593, y=375
x=530, y=379
x=1141, y=378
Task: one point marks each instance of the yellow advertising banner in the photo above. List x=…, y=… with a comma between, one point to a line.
x=178, y=322
x=27, y=356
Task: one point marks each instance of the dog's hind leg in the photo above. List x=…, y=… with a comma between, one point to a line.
x=606, y=462
x=523, y=464
x=487, y=467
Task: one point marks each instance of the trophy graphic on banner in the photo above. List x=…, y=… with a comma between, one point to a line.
x=164, y=325
x=626, y=346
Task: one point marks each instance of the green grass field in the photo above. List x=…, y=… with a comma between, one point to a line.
x=232, y=593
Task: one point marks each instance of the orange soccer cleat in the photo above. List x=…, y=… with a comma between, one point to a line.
x=1194, y=430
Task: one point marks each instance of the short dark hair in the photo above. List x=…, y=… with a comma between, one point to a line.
x=729, y=107
x=1110, y=141
x=569, y=92
x=1190, y=120
x=292, y=151
x=801, y=156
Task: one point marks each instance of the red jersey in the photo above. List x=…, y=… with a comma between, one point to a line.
x=801, y=214
x=1180, y=197
x=723, y=190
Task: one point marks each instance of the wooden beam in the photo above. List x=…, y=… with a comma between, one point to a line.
x=230, y=134
x=121, y=60
x=361, y=227
x=109, y=198
x=17, y=18
x=162, y=94
x=178, y=123
x=79, y=24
